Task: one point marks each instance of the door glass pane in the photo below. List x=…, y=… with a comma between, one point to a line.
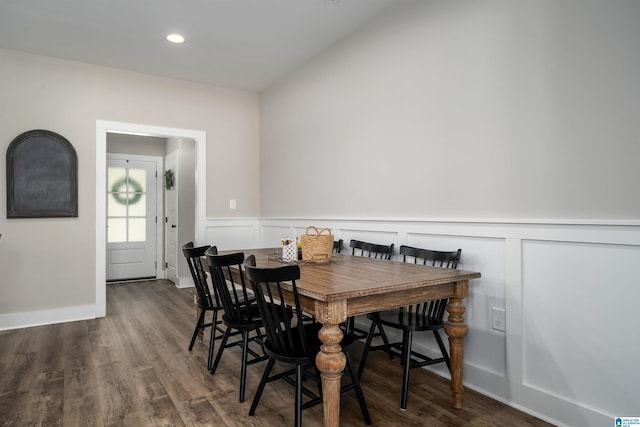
x=116, y=179
x=138, y=205
x=137, y=229
x=117, y=230
x=137, y=180
x=116, y=204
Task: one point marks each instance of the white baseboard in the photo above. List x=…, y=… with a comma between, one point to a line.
x=184, y=282
x=46, y=317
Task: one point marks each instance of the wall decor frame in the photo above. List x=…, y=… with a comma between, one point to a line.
x=42, y=176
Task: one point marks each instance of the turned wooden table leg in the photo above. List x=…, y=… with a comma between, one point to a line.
x=331, y=361
x=457, y=329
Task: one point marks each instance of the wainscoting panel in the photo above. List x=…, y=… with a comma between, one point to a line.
x=569, y=288
x=232, y=233
x=486, y=293
x=579, y=330
x=272, y=235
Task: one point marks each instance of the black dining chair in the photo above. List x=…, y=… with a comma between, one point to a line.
x=426, y=316
x=337, y=246
x=290, y=340
x=369, y=250
x=240, y=311
x=206, y=299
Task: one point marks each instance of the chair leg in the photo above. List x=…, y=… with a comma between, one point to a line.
x=298, y=403
x=348, y=325
x=365, y=352
x=212, y=339
x=197, y=329
x=359, y=394
x=385, y=340
x=443, y=349
x=243, y=366
x=223, y=343
x=263, y=382
x=406, y=360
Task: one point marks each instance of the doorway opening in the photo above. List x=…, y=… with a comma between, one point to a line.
x=102, y=129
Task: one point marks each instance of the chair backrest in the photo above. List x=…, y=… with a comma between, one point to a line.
x=195, y=260
x=430, y=257
x=371, y=250
x=337, y=246
x=433, y=309
x=283, y=336
x=229, y=281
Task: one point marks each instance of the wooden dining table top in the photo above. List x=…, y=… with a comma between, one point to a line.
x=347, y=277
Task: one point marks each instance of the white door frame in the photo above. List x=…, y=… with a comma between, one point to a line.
x=102, y=128
x=159, y=202
x=167, y=243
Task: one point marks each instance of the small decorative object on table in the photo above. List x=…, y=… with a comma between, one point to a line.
x=317, y=247
x=289, y=250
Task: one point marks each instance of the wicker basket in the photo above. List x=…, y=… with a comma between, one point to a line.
x=317, y=247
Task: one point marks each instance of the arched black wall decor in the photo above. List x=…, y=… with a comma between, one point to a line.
x=42, y=176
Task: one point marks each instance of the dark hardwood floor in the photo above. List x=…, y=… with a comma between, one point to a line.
x=132, y=368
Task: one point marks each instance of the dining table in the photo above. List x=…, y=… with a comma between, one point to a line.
x=348, y=285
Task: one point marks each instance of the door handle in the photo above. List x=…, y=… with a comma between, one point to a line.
x=173, y=226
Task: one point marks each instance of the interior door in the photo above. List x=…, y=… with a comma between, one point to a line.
x=131, y=219
x=171, y=220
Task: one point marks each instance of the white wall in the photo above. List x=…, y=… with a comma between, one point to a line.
x=463, y=109
x=48, y=266
x=507, y=128
x=136, y=144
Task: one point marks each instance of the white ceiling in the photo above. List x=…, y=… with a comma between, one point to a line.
x=243, y=44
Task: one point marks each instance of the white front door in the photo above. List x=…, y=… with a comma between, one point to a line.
x=171, y=220
x=131, y=219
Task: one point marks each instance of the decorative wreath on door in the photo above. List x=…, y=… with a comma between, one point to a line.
x=169, y=179
x=132, y=197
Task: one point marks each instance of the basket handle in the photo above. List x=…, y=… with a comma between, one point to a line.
x=317, y=233
x=327, y=229
x=310, y=227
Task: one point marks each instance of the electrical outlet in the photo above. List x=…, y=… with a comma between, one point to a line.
x=232, y=204
x=498, y=319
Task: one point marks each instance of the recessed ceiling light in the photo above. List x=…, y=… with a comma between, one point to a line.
x=175, y=38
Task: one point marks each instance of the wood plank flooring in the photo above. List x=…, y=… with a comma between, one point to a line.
x=132, y=368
